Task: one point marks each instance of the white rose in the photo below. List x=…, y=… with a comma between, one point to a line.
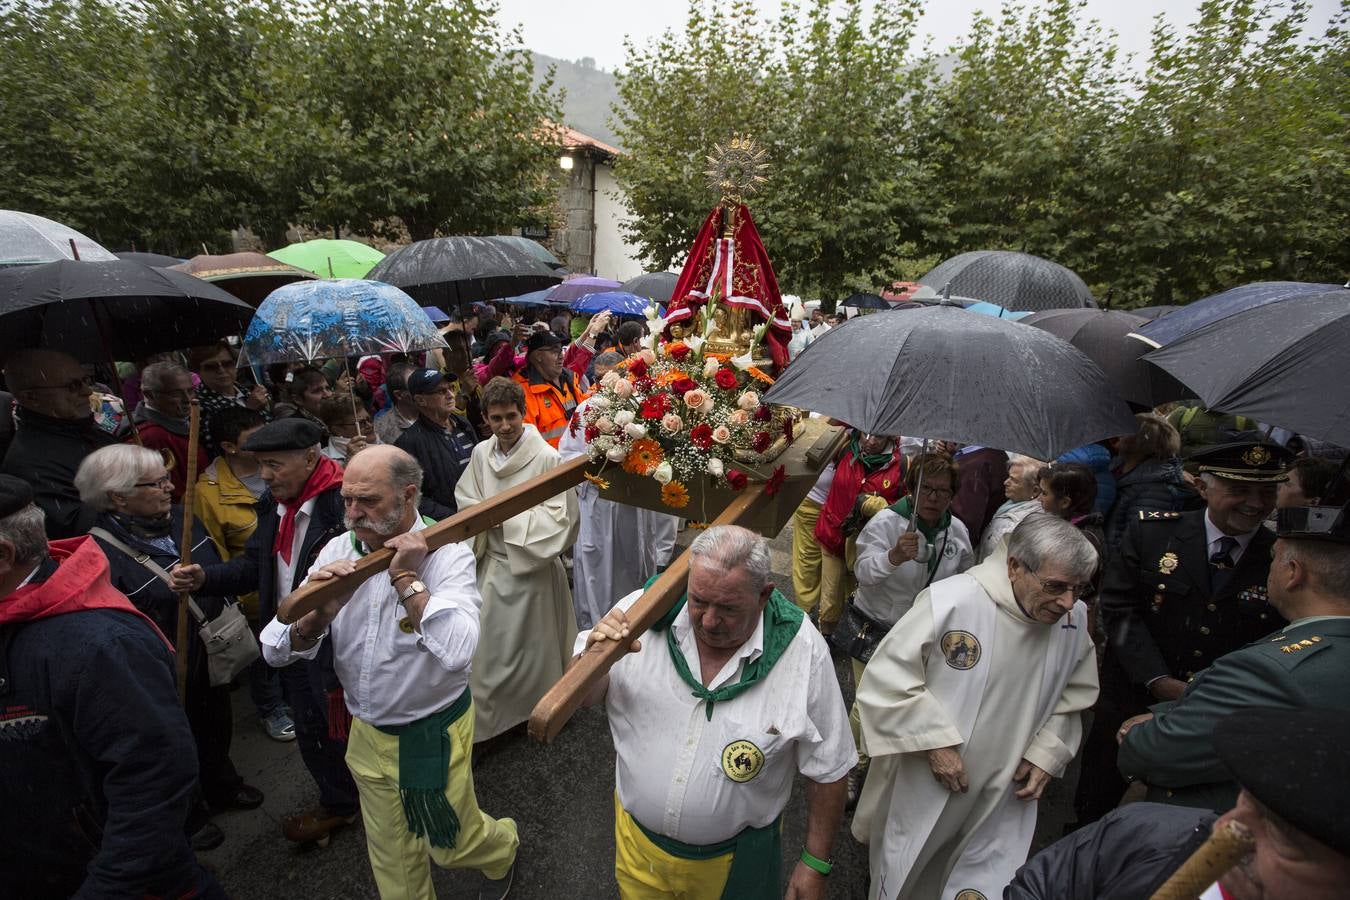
x=635, y=431
x=663, y=473
x=715, y=467
x=624, y=417
x=617, y=453
x=710, y=367
x=599, y=401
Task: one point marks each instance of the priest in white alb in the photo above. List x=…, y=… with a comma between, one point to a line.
x=971, y=704
x=527, y=624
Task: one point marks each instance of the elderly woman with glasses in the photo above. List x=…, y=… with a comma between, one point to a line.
x=130, y=489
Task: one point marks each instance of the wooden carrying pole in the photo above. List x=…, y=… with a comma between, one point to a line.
x=1224, y=849
x=556, y=707
x=185, y=548
x=462, y=525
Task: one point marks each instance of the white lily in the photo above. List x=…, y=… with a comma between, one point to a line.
x=694, y=343
x=646, y=341
x=743, y=362
x=656, y=326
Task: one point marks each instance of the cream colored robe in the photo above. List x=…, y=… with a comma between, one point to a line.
x=526, y=623
x=926, y=842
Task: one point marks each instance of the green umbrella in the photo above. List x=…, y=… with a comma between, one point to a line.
x=330, y=258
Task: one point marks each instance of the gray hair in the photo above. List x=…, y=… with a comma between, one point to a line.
x=404, y=469
x=609, y=358
x=1030, y=469
x=1041, y=538
x=731, y=546
x=114, y=469
x=27, y=531
x=157, y=376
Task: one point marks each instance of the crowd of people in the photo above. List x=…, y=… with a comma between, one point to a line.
x=1156, y=606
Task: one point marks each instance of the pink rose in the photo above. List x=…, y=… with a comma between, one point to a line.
x=749, y=401
x=623, y=388
x=737, y=418
x=698, y=400
x=721, y=434
x=605, y=424
x=671, y=423
x=608, y=379
x=648, y=356
x=710, y=367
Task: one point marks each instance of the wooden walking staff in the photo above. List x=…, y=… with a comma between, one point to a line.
x=185, y=548
x=1225, y=848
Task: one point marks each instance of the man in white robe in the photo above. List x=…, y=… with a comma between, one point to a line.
x=970, y=705
x=527, y=623
x=618, y=546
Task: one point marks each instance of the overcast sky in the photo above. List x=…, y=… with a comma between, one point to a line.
x=571, y=29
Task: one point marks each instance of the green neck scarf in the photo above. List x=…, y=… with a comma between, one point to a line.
x=904, y=508
x=870, y=461
x=781, y=622
x=424, y=771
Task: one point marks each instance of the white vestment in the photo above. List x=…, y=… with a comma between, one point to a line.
x=965, y=668
x=526, y=622
x=618, y=546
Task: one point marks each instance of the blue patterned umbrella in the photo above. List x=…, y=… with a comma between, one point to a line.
x=334, y=319
x=617, y=302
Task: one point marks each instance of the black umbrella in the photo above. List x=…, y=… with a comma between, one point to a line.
x=121, y=309
x=1102, y=335
x=1149, y=313
x=1282, y=363
x=453, y=272
x=658, y=286
x=531, y=248
x=154, y=260
x=950, y=374
x=1017, y=281
x=861, y=300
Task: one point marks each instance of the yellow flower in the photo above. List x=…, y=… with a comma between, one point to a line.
x=596, y=480
x=675, y=495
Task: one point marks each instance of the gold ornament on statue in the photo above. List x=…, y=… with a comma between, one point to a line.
x=735, y=170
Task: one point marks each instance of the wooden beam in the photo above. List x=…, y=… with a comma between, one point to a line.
x=556, y=707
x=462, y=525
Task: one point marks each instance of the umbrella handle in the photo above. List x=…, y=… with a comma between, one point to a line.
x=918, y=486
x=351, y=380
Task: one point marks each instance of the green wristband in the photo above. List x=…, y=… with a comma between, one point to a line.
x=820, y=865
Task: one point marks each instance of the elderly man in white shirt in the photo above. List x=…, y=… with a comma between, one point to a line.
x=731, y=699
x=402, y=646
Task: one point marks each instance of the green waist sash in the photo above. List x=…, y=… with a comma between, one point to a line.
x=424, y=771
x=756, y=866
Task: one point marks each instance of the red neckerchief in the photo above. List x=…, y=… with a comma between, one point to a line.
x=327, y=474
x=80, y=582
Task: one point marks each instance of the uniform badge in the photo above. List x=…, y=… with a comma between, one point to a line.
x=1256, y=456
x=741, y=761
x=885, y=482
x=548, y=404
x=405, y=625
x=1254, y=594
x=1168, y=564
x=949, y=552
x=961, y=649
x=969, y=894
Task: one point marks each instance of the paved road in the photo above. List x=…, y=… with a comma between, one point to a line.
x=561, y=795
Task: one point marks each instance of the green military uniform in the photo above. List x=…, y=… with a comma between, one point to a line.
x=1305, y=665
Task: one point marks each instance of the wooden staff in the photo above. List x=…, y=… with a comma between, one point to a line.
x=462, y=525
x=557, y=706
x=185, y=548
x=1225, y=848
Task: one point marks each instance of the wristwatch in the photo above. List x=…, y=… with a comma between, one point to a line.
x=416, y=587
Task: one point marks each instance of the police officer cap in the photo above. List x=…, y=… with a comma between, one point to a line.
x=15, y=494
x=285, y=434
x=424, y=381
x=1295, y=762
x=542, y=339
x=1244, y=461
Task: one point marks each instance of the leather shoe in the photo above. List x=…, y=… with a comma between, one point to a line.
x=243, y=797
x=208, y=837
x=498, y=888
x=314, y=826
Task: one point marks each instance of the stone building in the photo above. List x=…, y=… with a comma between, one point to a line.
x=586, y=233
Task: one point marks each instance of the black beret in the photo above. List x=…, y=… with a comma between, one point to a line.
x=15, y=494
x=1295, y=762
x=295, y=433
x=1244, y=461
x=542, y=339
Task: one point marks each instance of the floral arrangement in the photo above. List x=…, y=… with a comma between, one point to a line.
x=677, y=414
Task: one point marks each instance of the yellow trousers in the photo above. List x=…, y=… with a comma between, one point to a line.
x=806, y=555
x=854, y=721
x=646, y=872
x=400, y=859
x=836, y=583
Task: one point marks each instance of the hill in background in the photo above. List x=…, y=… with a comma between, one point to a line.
x=590, y=92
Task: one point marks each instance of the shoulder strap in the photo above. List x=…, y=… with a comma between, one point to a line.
x=145, y=560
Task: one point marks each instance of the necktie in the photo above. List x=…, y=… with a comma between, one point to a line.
x=1222, y=561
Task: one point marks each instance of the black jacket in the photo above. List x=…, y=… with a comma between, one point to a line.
x=45, y=453
x=443, y=454
x=97, y=765
x=1126, y=855
x=1153, y=484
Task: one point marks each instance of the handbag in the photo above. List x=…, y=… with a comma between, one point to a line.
x=856, y=633
x=230, y=645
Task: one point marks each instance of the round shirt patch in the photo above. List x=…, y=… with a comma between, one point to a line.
x=741, y=761
x=405, y=625
x=961, y=649
x=970, y=894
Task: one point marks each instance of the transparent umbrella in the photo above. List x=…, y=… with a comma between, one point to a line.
x=26, y=239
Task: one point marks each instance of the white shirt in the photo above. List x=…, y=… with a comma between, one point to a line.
x=391, y=676
x=669, y=769
x=286, y=570
x=1214, y=536
x=885, y=591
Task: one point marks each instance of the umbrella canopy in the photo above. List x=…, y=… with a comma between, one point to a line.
x=26, y=239
x=154, y=260
x=1149, y=313
x=576, y=288
x=993, y=309
x=436, y=314
x=617, y=302
x=328, y=258
x=456, y=271
x=1184, y=320
x=861, y=300
x=1287, y=370
x=1103, y=336
x=122, y=308
x=1017, y=281
x=533, y=298
x=248, y=276
x=531, y=247
x=658, y=286
x=946, y=373
x=334, y=319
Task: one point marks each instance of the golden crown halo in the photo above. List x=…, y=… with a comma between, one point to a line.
x=737, y=170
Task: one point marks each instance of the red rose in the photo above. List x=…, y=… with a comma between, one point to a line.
x=736, y=478
x=701, y=436
x=591, y=433
x=726, y=379
x=653, y=407
x=684, y=385
x=761, y=441
x=637, y=367
x=678, y=351
x=776, y=479
x=762, y=413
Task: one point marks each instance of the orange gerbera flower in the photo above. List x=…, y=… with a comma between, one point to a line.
x=643, y=457
x=596, y=480
x=756, y=372
x=675, y=495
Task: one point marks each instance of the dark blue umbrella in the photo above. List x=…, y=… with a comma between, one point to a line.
x=436, y=314
x=617, y=302
x=334, y=319
x=533, y=298
x=863, y=300
x=1183, y=320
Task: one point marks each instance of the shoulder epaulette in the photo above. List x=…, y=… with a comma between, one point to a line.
x=1157, y=515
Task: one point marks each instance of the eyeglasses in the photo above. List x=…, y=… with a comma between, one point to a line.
x=935, y=493
x=162, y=482
x=1057, y=588
x=75, y=384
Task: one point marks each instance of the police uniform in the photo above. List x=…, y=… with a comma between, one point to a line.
x=1168, y=612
